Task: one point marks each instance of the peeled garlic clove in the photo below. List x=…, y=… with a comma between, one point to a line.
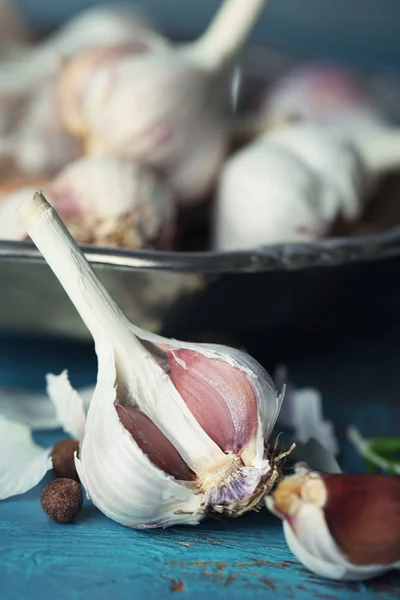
x=165, y=108
x=104, y=201
x=146, y=428
x=344, y=526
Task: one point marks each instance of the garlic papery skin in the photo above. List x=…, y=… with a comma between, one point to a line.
x=165, y=108
x=106, y=201
x=169, y=384
x=334, y=97
x=342, y=526
x=270, y=193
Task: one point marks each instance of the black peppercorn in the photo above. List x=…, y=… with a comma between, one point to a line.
x=62, y=500
x=63, y=459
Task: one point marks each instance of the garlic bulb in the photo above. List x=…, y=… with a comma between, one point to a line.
x=334, y=97
x=104, y=201
x=173, y=429
x=97, y=26
x=39, y=144
x=342, y=526
x=165, y=107
x=289, y=185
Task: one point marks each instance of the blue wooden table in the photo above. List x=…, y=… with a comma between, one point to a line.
x=246, y=558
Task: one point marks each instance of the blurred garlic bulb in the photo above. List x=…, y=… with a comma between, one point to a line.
x=97, y=26
x=174, y=429
x=39, y=144
x=335, y=98
x=104, y=201
x=289, y=185
x=342, y=526
x=165, y=107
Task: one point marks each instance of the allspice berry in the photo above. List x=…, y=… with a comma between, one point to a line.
x=63, y=459
x=62, y=500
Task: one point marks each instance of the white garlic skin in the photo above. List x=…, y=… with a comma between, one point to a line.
x=270, y=193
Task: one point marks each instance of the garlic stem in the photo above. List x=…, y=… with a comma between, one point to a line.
x=141, y=379
x=227, y=32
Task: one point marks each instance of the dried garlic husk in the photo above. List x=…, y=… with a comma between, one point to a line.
x=165, y=107
x=341, y=526
x=334, y=97
x=173, y=429
x=289, y=185
x=104, y=201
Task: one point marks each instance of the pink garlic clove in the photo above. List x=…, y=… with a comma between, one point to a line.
x=342, y=526
x=154, y=443
x=219, y=395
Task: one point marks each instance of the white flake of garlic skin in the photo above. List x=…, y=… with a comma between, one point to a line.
x=165, y=108
x=340, y=526
x=104, y=200
x=173, y=429
x=23, y=463
x=287, y=186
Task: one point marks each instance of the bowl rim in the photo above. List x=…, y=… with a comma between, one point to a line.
x=329, y=252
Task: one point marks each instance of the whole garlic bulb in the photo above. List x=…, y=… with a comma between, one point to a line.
x=165, y=107
x=97, y=26
x=174, y=429
x=289, y=185
x=104, y=201
x=334, y=97
x=342, y=526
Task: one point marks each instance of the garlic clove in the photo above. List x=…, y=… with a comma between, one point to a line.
x=23, y=464
x=118, y=476
x=165, y=108
x=341, y=526
x=203, y=383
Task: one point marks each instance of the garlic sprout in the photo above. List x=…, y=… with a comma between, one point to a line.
x=165, y=107
x=173, y=429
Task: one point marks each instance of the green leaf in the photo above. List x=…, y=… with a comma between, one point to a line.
x=385, y=446
x=371, y=467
